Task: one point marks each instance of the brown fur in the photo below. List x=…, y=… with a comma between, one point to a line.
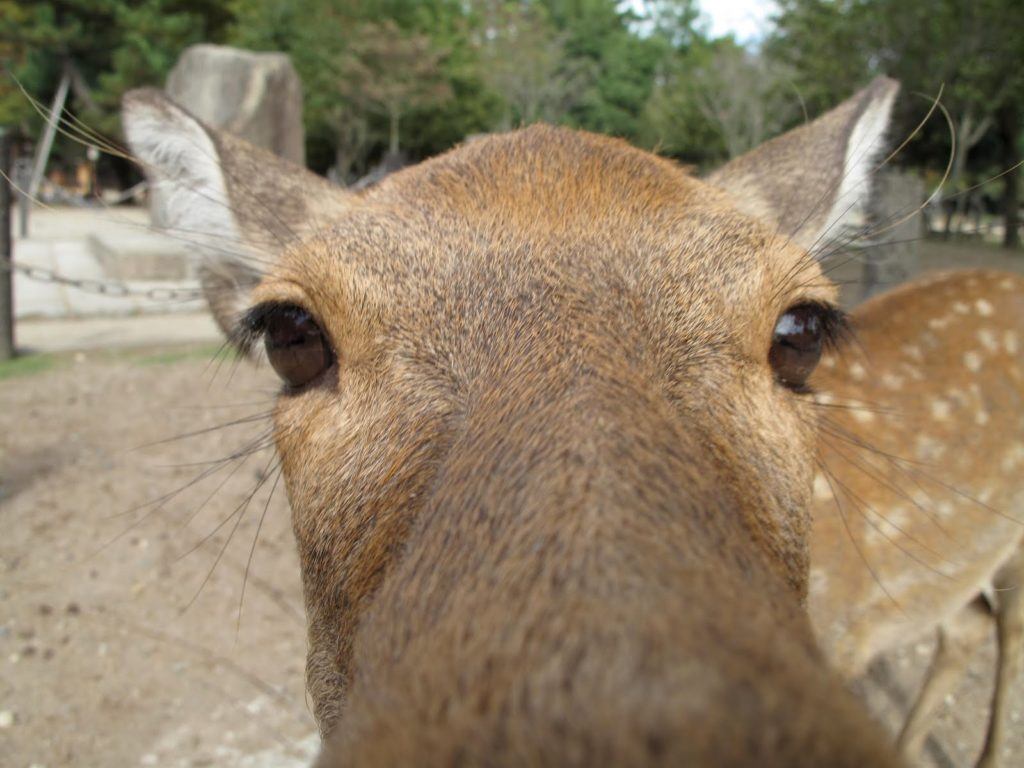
x=780, y=180
x=922, y=509
x=551, y=504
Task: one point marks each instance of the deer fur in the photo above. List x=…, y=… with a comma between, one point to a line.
x=551, y=505
x=919, y=512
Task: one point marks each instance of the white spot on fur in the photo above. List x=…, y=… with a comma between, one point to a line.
x=914, y=373
x=895, y=518
x=981, y=417
x=920, y=498
x=863, y=416
x=957, y=396
x=940, y=409
x=1010, y=342
x=857, y=372
x=960, y=308
x=939, y=323
x=944, y=509
x=817, y=582
x=973, y=361
x=988, y=340
x=828, y=363
x=928, y=449
x=1013, y=457
x=1006, y=284
x=985, y=308
x=824, y=398
x=913, y=352
x=892, y=381
x=822, y=490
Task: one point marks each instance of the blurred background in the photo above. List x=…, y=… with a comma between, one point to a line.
x=150, y=608
x=400, y=80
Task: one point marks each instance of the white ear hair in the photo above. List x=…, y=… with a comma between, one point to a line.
x=240, y=205
x=189, y=197
x=865, y=149
x=815, y=179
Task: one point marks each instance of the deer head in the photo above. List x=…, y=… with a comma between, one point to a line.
x=545, y=434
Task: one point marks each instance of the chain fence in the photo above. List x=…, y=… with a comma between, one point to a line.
x=112, y=288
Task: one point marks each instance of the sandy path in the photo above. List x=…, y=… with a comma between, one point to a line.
x=100, y=663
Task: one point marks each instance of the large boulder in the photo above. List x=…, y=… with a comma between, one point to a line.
x=257, y=96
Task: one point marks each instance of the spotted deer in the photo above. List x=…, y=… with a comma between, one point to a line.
x=546, y=435
x=919, y=500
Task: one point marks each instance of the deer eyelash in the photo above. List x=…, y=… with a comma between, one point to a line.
x=837, y=329
x=248, y=331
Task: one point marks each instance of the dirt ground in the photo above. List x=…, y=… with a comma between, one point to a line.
x=113, y=650
x=122, y=641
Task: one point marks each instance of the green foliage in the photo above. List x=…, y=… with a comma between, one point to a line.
x=970, y=50
x=110, y=46
x=456, y=68
x=424, y=74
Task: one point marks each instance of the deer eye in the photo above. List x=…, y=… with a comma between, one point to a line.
x=801, y=333
x=296, y=345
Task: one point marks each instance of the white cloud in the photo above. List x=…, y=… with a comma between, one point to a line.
x=746, y=19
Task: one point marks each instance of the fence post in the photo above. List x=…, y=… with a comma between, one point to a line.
x=6, y=251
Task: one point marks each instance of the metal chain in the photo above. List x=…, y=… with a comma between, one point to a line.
x=106, y=287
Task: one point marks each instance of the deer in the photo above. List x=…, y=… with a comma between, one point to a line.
x=918, y=500
x=546, y=434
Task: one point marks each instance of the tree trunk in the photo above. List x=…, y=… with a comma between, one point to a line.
x=968, y=134
x=1009, y=130
x=393, y=116
x=342, y=163
x=956, y=211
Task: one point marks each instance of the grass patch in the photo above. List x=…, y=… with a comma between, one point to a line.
x=30, y=364
x=169, y=356
x=26, y=365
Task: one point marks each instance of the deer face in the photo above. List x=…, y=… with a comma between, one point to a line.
x=544, y=435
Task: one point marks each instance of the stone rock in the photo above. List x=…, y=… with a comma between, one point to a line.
x=890, y=252
x=257, y=96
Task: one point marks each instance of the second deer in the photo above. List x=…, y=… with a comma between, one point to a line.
x=919, y=500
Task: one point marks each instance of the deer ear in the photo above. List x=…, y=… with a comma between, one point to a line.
x=239, y=204
x=814, y=181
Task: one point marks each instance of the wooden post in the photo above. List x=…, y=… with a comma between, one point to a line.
x=6, y=251
x=46, y=143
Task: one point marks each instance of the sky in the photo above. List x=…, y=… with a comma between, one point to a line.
x=746, y=19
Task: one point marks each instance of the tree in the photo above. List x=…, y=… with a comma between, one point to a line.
x=746, y=96
x=973, y=49
x=384, y=75
x=345, y=128
x=392, y=72
x=672, y=121
x=601, y=35
x=14, y=53
x=107, y=46
x=523, y=59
